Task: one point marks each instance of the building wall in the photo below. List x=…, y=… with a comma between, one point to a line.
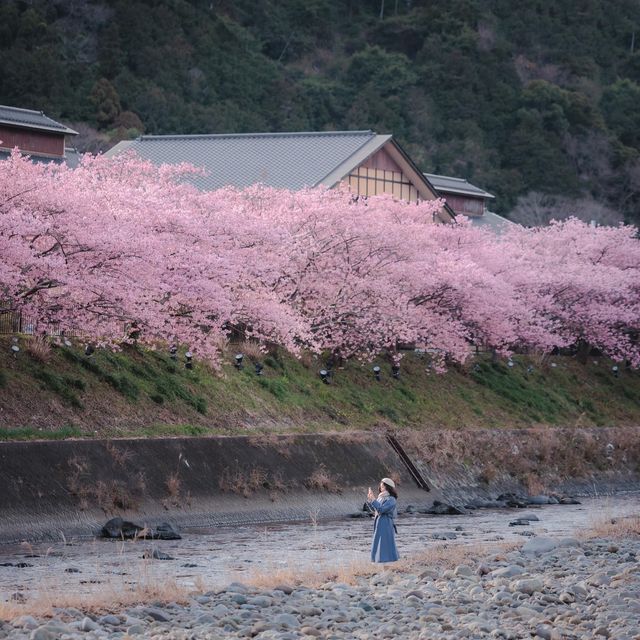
x=380, y=174
x=465, y=204
x=32, y=141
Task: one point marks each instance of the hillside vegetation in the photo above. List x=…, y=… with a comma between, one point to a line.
x=64, y=393
x=535, y=102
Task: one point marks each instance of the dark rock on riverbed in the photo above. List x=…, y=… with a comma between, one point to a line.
x=119, y=528
x=513, y=500
x=155, y=554
x=568, y=500
x=520, y=522
x=446, y=535
x=165, y=531
x=444, y=509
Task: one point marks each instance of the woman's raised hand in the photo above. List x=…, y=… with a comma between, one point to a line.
x=370, y=496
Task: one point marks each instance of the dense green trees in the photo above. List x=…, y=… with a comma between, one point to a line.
x=518, y=97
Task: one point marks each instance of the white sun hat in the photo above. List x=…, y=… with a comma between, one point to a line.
x=389, y=481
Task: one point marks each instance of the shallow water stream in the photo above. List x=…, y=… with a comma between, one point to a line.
x=210, y=558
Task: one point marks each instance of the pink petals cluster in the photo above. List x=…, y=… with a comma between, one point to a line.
x=121, y=240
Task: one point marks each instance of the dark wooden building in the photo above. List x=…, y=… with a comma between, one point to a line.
x=35, y=134
x=465, y=199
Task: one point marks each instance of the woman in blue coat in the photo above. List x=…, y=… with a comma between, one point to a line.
x=383, y=547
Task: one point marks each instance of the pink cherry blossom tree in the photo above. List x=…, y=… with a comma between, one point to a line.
x=120, y=240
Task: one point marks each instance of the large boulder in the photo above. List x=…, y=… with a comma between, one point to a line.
x=513, y=500
x=165, y=531
x=444, y=509
x=119, y=528
x=123, y=529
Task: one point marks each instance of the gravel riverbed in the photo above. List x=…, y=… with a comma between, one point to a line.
x=493, y=580
x=549, y=588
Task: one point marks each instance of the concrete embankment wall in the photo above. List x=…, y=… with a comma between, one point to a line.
x=71, y=487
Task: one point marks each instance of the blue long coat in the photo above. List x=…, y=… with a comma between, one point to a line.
x=383, y=546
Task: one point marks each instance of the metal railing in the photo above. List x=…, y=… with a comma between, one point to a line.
x=13, y=322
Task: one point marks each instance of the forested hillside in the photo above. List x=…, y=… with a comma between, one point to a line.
x=537, y=102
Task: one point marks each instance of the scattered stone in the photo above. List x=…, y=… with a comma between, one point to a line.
x=568, y=542
x=156, y=614
x=538, y=546
x=444, y=509
x=520, y=522
x=463, y=570
x=119, y=528
x=446, y=535
x=513, y=500
x=88, y=624
x=508, y=572
x=286, y=620
x=568, y=500
x=236, y=587
x=25, y=622
x=156, y=554
x=135, y=630
x=285, y=588
x=529, y=586
x=165, y=531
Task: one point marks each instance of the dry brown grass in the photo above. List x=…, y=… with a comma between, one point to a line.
x=252, y=350
x=246, y=483
x=282, y=444
x=354, y=437
x=108, y=495
x=615, y=528
x=121, y=455
x=534, y=485
x=538, y=457
x=310, y=576
x=39, y=348
x=321, y=480
x=349, y=571
x=111, y=597
x=111, y=496
x=308, y=360
x=173, y=484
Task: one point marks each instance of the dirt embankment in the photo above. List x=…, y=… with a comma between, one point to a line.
x=73, y=486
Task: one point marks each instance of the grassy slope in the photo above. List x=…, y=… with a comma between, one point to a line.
x=137, y=392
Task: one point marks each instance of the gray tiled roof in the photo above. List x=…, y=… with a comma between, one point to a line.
x=281, y=160
x=447, y=184
x=492, y=222
x=32, y=120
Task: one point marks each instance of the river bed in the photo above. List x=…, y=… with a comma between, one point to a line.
x=211, y=558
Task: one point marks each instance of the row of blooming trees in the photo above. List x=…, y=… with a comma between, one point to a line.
x=120, y=240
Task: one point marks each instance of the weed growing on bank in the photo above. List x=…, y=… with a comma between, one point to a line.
x=152, y=394
x=615, y=528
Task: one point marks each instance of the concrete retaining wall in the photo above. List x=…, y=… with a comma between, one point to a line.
x=72, y=486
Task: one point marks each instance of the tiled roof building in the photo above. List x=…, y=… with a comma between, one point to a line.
x=35, y=134
x=371, y=164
